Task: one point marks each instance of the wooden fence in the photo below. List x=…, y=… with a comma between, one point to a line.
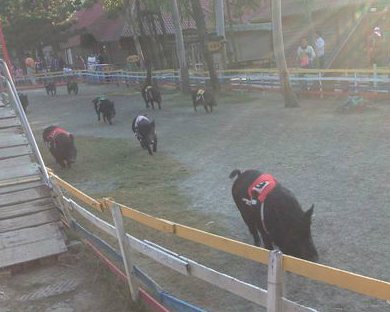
x=272, y=298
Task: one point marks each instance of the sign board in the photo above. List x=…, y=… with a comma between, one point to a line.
x=214, y=46
x=133, y=58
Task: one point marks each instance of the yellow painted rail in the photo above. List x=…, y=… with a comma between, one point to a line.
x=322, y=273
x=76, y=193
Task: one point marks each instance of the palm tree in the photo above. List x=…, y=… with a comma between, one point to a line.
x=290, y=99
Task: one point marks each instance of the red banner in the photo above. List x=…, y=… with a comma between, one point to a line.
x=4, y=48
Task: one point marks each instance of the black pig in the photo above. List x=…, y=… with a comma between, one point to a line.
x=61, y=145
x=149, y=90
x=72, y=86
x=205, y=98
x=281, y=221
x=145, y=132
x=151, y=95
x=105, y=107
x=50, y=87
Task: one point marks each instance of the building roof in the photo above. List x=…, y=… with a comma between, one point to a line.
x=169, y=28
x=96, y=21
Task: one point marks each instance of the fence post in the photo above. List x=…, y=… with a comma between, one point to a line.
x=320, y=82
x=355, y=82
x=62, y=204
x=275, y=281
x=375, y=76
x=125, y=251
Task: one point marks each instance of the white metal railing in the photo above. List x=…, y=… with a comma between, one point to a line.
x=376, y=80
x=23, y=119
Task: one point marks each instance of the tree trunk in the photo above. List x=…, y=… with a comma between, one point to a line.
x=147, y=43
x=230, y=59
x=153, y=42
x=220, y=27
x=290, y=99
x=130, y=21
x=180, y=50
x=161, y=55
x=202, y=33
x=41, y=54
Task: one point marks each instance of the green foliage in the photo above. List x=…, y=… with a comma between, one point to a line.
x=114, y=5
x=32, y=23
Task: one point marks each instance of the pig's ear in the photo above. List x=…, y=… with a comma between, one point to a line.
x=309, y=213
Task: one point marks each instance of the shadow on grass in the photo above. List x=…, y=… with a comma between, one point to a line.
x=114, y=168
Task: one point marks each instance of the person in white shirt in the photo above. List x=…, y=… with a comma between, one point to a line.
x=306, y=54
x=320, y=49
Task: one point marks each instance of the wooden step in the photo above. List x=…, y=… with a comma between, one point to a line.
x=9, y=123
x=19, y=185
x=15, y=151
x=22, y=171
x=24, y=196
x=26, y=208
x=16, y=161
x=30, y=244
x=6, y=112
x=31, y=220
x=8, y=140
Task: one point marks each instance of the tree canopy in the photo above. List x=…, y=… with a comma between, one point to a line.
x=29, y=24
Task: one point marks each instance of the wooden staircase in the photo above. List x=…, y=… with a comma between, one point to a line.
x=29, y=219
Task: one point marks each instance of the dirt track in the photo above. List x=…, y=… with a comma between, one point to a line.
x=338, y=162
x=80, y=285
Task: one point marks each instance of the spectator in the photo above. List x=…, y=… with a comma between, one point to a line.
x=55, y=64
x=79, y=63
x=305, y=58
x=30, y=65
x=306, y=54
x=320, y=49
x=100, y=58
x=61, y=63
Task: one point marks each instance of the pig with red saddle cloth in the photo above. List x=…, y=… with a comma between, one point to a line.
x=271, y=209
x=61, y=145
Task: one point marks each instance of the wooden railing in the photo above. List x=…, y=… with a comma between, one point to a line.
x=350, y=281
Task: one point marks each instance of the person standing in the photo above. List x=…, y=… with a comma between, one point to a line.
x=306, y=54
x=79, y=63
x=305, y=57
x=320, y=50
x=30, y=65
x=55, y=64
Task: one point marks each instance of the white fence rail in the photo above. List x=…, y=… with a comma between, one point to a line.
x=189, y=267
x=351, y=81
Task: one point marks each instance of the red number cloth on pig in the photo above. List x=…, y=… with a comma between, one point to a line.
x=264, y=185
x=53, y=134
